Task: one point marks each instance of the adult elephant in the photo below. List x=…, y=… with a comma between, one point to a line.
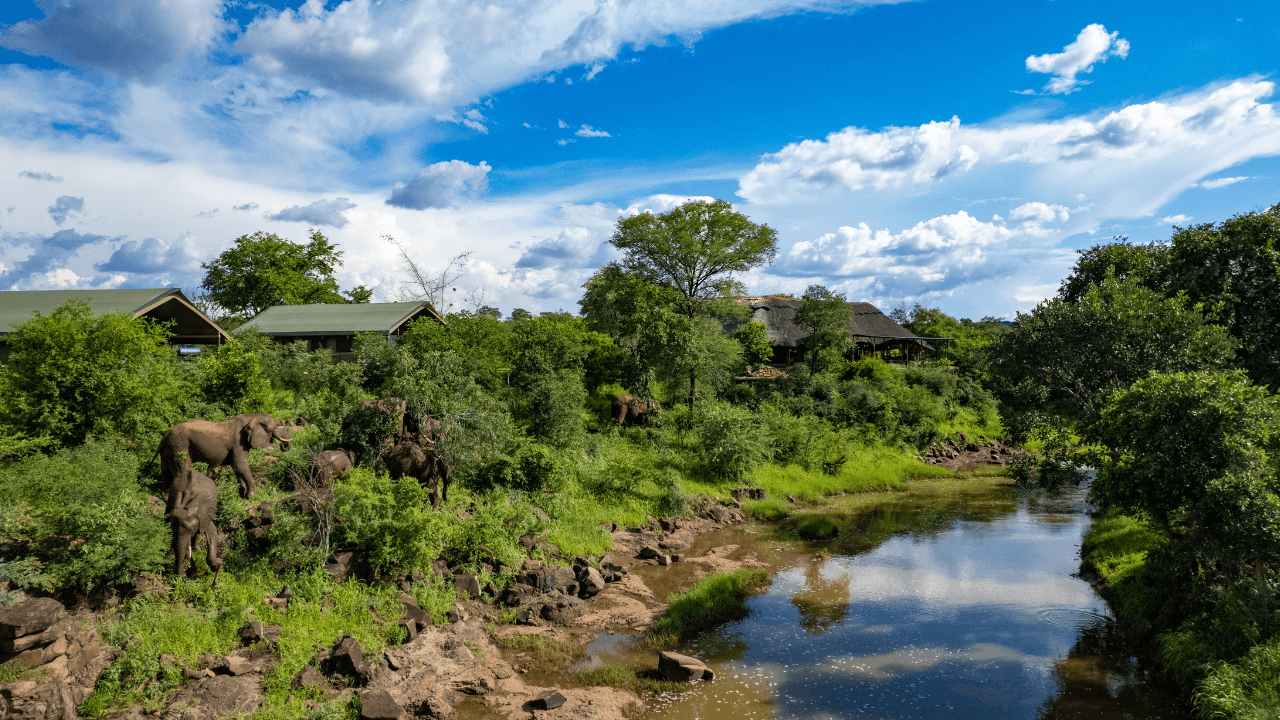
x=430, y=468
x=192, y=505
x=219, y=443
x=630, y=409
x=327, y=463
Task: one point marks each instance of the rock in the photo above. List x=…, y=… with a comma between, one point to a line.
x=307, y=677
x=347, y=656
x=547, y=700
x=468, y=585
x=648, y=551
x=677, y=558
x=378, y=705
x=417, y=616
x=196, y=674
x=220, y=696
x=167, y=659
x=457, y=614
x=391, y=660
x=682, y=668
x=571, y=589
x=151, y=584
x=528, y=542
x=348, y=564
x=542, y=514
x=251, y=633
x=31, y=617
x=790, y=499
x=609, y=527
x=524, y=615
x=664, y=559
x=410, y=628
x=278, y=603
x=236, y=665
x=490, y=591
x=590, y=582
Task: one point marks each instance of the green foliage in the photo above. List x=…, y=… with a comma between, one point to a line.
x=71, y=374
x=756, y=346
x=264, y=269
x=715, y=599
x=1245, y=690
x=817, y=527
x=1177, y=433
x=436, y=596
x=79, y=519
x=391, y=519
x=733, y=440
x=555, y=403
x=1116, y=548
x=828, y=317
x=497, y=522
x=1122, y=259
x=483, y=344
x=365, y=430
x=528, y=467
x=968, y=342
x=1065, y=358
x=232, y=379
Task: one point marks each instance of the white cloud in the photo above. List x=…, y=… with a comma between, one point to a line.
x=442, y=185
x=62, y=278
x=64, y=207
x=588, y=131
x=663, y=202
x=1093, y=45
x=320, y=212
x=135, y=39
x=565, y=141
x=33, y=175
x=1178, y=219
x=1136, y=157
x=1220, y=182
x=563, y=125
x=150, y=257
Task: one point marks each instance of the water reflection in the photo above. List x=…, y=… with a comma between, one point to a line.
x=964, y=607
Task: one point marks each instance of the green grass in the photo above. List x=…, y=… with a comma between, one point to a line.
x=717, y=598
x=319, y=612
x=1246, y=690
x=1116, y=547
x=816, y=528
x=640, y=682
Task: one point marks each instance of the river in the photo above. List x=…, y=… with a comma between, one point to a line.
x=953, y=600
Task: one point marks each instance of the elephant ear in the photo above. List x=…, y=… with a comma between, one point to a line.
x=255, y=435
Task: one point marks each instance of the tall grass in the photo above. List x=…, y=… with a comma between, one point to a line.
x=717, y=598
x=1116, y=547
x=1246, y=690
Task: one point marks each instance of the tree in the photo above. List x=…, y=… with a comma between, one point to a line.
x=1123, y=259
x=438, y=288
x=968, y=338
x=695, y=249
x=757, y=349
x=264, y=269
x=1062, y=361
x=827, y=316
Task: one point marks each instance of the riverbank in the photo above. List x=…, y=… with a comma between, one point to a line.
x=1215, y=655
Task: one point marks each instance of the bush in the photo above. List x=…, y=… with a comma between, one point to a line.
x=555, y=402
x=232, y=378
x=733, y=440
x=1246, y=690
x=365, y=430
x=80, y=518
x=496, y=524
x=715, y=599
x=390, y=519
x=71, y=375
x=816, y=527
x=531, y=468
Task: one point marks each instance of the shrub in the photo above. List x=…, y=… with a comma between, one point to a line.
x=555, y=402
x=496, y=524
x=365, y=430
x=756, y=347
x=733, y=440
x=816, y=527
x=1247, y=690
x=71, y=375
x=83, y=519
x=391, y=519
x=715, y=599
x=531, y=468
x=232, y=378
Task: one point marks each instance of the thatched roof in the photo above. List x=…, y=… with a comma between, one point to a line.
x=778, y=315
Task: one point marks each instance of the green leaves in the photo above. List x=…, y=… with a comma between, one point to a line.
x=264, y=269
x=827, y=316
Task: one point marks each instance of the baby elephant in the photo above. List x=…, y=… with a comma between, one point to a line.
x=328, y=463
x=629, y=409
x=193, y=501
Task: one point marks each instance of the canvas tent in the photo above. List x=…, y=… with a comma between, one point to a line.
x=335, y=326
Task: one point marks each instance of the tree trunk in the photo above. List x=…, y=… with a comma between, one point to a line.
x=693, y=385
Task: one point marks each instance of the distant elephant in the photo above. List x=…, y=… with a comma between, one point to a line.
x=192, y=503
x=627, y=408
x=430, y=468
x=219, y=443
x=326, y=464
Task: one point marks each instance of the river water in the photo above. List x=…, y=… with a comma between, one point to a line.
x=960, y=600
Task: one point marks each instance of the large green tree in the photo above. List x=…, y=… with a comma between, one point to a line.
x=264, y=269
x=828, y=317
x=695, y=249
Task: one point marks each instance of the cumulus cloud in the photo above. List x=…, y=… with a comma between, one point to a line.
x=1178, y=219
x=952, y=248
x=150, y=257
x=48, y=177
x=64, y=207
x=1220, y=182
x=320, y=212
x=438, y=51
x=442, y=185
x=1136, y=157
x=855, y=158
x=1093, y=45
x=135, y=39
x=588, y=131
x=62, y=278
x=49, y=253
x=573, y=247
x=663, y=202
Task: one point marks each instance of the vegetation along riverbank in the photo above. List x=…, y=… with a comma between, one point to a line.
x=447, y=519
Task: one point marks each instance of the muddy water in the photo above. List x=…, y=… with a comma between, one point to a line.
x=955, y=601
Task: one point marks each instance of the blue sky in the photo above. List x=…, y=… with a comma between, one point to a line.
x=943, y=152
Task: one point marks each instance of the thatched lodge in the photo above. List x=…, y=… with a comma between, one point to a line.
x=874, y=333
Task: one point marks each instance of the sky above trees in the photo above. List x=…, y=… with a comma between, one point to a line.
x=943, y=152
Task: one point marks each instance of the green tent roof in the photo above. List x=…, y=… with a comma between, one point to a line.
x=302, y=320
x=161, y=304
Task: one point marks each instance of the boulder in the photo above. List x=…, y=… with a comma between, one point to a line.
x=590, y=582
x=347, y=656
x=682, y=668
x=307, y=677
x=378, y=705
x=417, y=616
x=348, y=564
x=236, y=665
x=468, y=585
x=547, y=700
x=31, y=617
x=251, y=633
x=410, y=629
x=221, y=696
x=647, y=552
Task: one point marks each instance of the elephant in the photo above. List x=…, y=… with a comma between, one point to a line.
x=627, y=408
x=192, y=504
x=219, y=443
x=430, y=468
x=326, y=464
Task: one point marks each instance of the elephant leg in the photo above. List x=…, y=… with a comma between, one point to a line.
x=433, y=483
x=240, y=461
x=180, y=549
x=195, y=546
x=214, y=559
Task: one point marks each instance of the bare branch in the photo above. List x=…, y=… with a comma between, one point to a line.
x=437, y=288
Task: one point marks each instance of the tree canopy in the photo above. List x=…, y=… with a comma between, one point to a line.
x=263, y=269
x=827, y=316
